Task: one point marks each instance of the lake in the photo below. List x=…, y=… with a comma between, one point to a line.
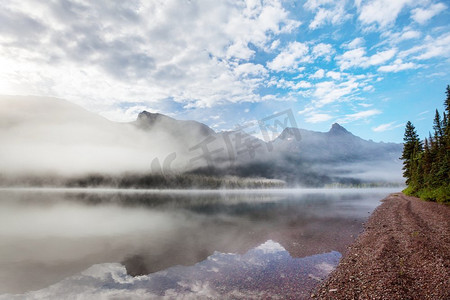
x=199, y=244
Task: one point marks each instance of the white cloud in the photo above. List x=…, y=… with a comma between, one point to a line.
x=306, y=110
x=302, y=85
x=287, y=84
x=275, y=45
x=410, y=34
x=398, y=66
x=357, y=58
x=323, y=50
x=413, y=50
x=382, y=12
x=240, y=50
x=436, y=47
x=356, y=43
x=326, y=11
x=318, y=74
x=103, y=54
x=386, y=127
x=381, y=57
x=432, y=47
x=421, y=15
x=215, y=53
x=394, y=38
x=331, y=92
x=247, y=69
x=365, y=104
x=334, y=75
x=352, y=58
x=328, y=91
x=317, y=118
x=368, y=88
x=360, y=115
x=290, y=57
x=315, y=4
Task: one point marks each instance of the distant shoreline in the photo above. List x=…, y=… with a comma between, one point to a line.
x=404, y=253
x=182, y=181
x=183, y=191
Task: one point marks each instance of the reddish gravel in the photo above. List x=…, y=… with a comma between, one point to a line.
x=404, y=253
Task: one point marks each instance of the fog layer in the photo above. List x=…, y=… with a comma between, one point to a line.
x=46, y=135
x=52, y=137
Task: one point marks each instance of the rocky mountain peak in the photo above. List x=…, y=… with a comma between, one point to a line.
x=337, y=129
x=145, y=115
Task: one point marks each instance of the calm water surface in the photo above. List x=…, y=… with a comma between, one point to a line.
x=143, y=244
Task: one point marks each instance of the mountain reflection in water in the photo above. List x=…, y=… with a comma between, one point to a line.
x=263, y=272
x=50, y=236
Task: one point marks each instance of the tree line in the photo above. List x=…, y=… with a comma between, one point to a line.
x=426, y=164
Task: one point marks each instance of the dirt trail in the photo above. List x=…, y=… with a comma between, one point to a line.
x=404, y=253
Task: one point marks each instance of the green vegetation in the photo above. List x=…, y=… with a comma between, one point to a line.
x=426, y=164
x=364, y=185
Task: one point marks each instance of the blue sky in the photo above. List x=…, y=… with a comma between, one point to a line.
x=368, y=65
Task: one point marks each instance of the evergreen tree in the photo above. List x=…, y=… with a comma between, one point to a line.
x=444, y=122
x=447, y=101
x=426, y=163
x=411, y=149
x=446, y=138
x=437, y=126
x=427, y=170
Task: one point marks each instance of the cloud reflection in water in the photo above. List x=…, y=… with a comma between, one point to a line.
x=265, y=271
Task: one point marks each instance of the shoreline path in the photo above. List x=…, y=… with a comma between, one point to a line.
x=404, y=253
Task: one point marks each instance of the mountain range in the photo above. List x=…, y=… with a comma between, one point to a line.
x=53, y=136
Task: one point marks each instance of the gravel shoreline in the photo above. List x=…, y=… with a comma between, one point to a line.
x=404, y=253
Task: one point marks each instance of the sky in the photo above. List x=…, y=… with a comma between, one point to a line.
x=368, y=65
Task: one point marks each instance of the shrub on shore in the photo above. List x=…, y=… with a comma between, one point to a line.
x=440, y=194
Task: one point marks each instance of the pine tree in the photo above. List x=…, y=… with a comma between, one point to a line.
x=437, y=126
x=427, y=168
x=447, y=101
x=411, y=149
x=434, y=159
x=444, y=122
x=426, y=163
x=446, y=138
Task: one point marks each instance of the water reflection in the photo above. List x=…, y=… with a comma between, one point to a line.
x=266, y=271
x=48, y=236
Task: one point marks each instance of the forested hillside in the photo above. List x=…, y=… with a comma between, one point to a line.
x=426, y=164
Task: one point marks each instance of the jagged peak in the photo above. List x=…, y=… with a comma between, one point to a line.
x=149, y=117
x=338, y=129
x=147, y=114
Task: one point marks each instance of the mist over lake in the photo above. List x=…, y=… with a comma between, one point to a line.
x=49, y=235
x=162, y=207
